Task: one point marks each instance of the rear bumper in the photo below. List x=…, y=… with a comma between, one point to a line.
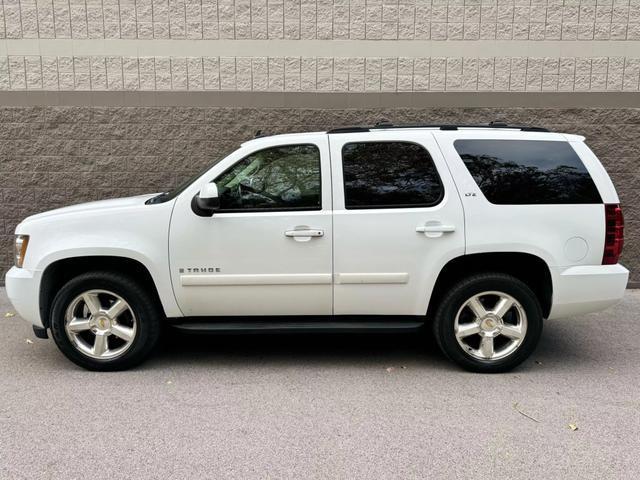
x=22, y=289
x=587, y=288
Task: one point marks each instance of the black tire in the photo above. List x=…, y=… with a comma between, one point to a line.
x=455, y=298
x=143, y=304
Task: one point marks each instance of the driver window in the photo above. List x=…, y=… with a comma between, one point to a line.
x=277, y=178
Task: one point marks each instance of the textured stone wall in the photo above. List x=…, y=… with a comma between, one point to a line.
x=56, y=156
x=321, y=74
x=323, y=19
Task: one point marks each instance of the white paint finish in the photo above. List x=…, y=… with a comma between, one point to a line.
x=258, y=279
x=576, y=249
x=371, y=242
x=541, y=230
x=253, y=246
x=123, y=227
x=319, y=48
x=372, y=278
x=573, y=138
x=23, y=289
x=585, y=289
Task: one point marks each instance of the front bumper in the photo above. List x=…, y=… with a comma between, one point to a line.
x=23, y=292
x=586, y=289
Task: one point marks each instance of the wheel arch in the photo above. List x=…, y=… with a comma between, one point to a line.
x=61, y=271
x=529, y=268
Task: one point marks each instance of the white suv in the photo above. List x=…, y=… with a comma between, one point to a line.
x=479, y=231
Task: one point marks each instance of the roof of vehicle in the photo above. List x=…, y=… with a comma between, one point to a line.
x=385, y=125
x=259, y=136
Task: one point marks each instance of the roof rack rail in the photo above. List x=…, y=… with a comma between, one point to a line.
x=384, y=125
x=349, y=130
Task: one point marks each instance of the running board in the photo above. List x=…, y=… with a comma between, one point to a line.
x=298, y=327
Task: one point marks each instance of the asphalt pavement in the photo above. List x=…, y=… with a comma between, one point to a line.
x=326, y=407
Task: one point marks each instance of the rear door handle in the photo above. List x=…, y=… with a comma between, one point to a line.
x=304, y=234
x=435, y=229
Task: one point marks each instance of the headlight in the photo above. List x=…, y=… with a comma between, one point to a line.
x=21, y=249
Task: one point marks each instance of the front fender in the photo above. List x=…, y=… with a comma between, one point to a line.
x=138, y=232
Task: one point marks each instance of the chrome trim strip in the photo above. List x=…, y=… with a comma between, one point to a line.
x=257, y=279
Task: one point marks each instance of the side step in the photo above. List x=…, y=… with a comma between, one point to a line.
x=298, y=327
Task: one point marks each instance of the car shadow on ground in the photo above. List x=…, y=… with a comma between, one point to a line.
x=556, y=350
x=329, y=348
x=559, y=350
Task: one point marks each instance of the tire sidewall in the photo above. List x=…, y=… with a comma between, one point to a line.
x=140, y=302
x=451, y=304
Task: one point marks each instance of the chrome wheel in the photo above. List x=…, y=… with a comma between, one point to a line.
x=100, y=324
x=490, y=325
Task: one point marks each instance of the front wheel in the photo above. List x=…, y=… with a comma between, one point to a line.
x=105, y=321
x=488, y=323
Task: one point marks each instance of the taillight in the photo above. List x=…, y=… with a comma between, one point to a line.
x=614, y=234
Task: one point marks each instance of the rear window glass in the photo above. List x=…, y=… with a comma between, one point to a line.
x=517, y=172
x=389, y=175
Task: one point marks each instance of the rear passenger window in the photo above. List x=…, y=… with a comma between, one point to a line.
x=518, y=172
x=389, y=175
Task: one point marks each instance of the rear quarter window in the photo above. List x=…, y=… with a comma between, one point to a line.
x=519, y=172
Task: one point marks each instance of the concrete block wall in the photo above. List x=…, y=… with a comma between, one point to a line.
x=323, y=19
x=321, y=74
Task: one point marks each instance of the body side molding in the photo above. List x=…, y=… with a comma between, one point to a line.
x=257, y=279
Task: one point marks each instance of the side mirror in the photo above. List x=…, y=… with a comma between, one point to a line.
x=206, y=201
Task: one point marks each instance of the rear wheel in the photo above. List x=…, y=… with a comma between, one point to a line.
x=488, y=323
x=105, y=321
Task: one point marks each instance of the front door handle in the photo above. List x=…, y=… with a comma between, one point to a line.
x=304, y=234
x=435, y=229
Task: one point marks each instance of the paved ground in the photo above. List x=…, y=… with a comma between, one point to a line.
x=340, y=407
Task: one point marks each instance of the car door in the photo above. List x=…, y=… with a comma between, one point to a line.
x=268, y=250
x=398, y=220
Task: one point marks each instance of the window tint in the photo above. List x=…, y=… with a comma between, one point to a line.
x=388, y=175
x=528, y=171
x=279, y=178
